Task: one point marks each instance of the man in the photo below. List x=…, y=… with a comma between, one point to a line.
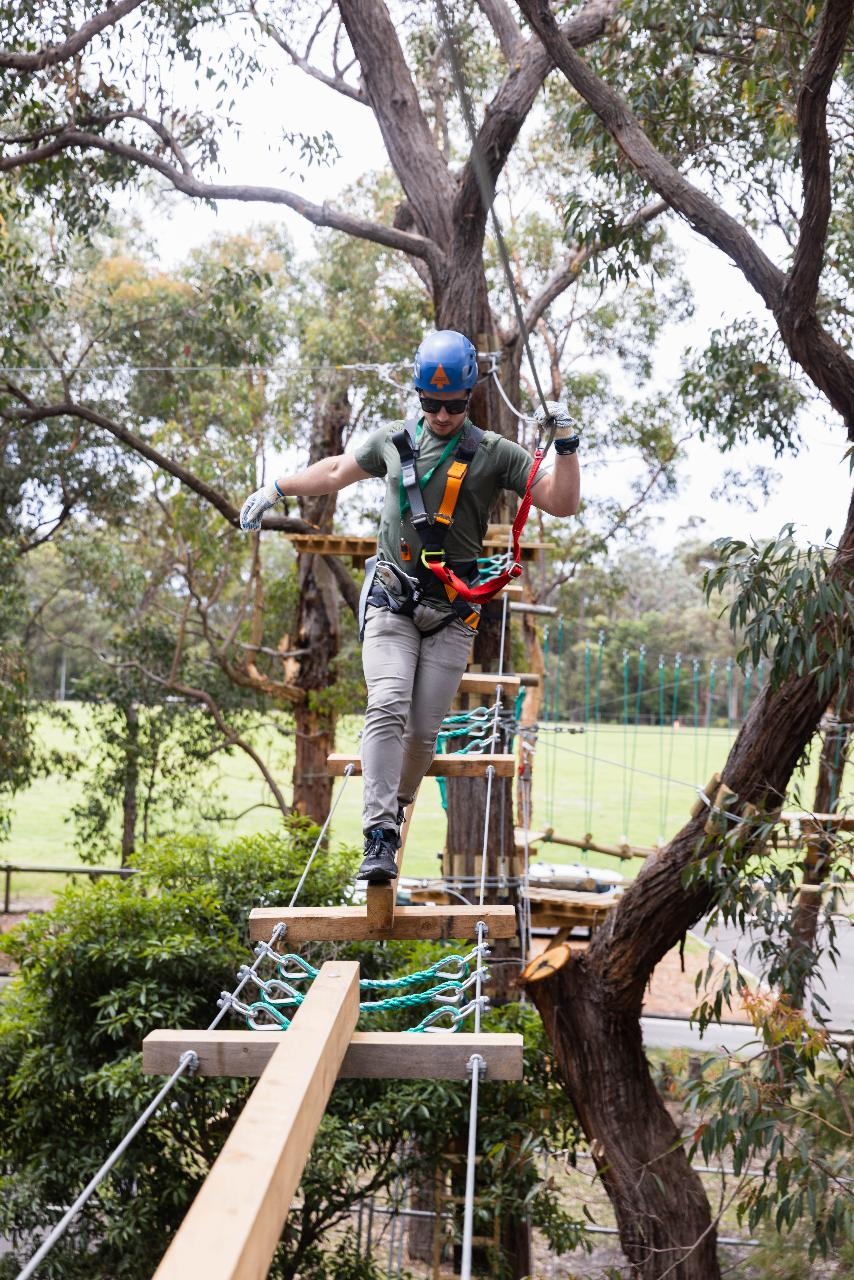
x=442, y=476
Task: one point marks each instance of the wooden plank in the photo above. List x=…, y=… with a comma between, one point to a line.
x=487, y=682
x=444, y=766
x=350, y=924
x=371, y=1055
x=234, y=1224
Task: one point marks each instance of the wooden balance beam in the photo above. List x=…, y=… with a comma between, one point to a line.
x=235, y=1222
x=351, y=924
x=452, y=765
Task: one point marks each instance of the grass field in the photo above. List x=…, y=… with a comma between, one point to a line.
x=608, y=781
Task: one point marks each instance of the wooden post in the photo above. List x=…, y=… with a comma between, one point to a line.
x=235, y=1222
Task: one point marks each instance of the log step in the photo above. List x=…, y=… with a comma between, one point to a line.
x=351, y=924
x=453, y=765
x=371, y=1055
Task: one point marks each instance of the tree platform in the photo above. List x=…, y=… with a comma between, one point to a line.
x=452, y=765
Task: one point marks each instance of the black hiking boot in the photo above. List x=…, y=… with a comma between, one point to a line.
x=379, y=865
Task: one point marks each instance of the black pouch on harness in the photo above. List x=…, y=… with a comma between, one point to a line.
x=387, y=587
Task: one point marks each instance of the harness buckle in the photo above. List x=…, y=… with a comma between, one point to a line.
x=446, y=520
x=515, y=570
x=432, y=557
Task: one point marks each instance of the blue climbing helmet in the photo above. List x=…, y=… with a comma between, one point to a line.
x=446, y=362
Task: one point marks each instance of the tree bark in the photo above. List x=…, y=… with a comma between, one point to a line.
x=317, y=623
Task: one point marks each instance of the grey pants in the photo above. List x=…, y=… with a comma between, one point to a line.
x=411, y=679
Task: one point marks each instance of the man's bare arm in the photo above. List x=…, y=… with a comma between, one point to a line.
x=326, y=476
x=559, y=492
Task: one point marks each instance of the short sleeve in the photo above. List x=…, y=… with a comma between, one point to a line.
x=370, y=454
x=513, y=466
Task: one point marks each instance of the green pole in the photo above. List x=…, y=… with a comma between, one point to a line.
x=729, y=666
x=661, y=681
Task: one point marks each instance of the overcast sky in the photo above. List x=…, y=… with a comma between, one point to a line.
x=813, y=489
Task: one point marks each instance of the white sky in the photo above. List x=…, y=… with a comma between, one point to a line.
x=814, y=489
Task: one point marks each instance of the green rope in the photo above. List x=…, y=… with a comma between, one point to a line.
x=597, y=712
x=695, y=666
x=627, y=816
x=274, y=1008
x=729, y=702
x=677, y=676
x=748, y=677
x=662, y=815
x=713, y=667
x=553, y=761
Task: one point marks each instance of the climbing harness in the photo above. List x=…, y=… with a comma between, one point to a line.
x=432, y=530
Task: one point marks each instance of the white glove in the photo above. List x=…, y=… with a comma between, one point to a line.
x=256, y=504
x=565, y=426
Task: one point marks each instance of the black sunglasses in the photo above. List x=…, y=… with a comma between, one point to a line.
x=431, y=405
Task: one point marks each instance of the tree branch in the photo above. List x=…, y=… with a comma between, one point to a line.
x=505, y=27
x=569, y=271
x=320, y=215
x=802, y=285
x=392, y=95
x=285, y=524
x=827, y=363
x=50, y=55
x=336, y=82
x=508, y=110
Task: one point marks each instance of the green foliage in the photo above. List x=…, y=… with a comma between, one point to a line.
x=114, y=960
x=792, y=606
x=735, y=390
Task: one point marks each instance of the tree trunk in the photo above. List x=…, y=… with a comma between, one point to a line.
x=130, y=785
x=662, y=1210
x=591, y=1003
x=819, y=857
x=317, y=633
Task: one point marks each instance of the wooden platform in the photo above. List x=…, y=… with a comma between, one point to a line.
x=351, y=924
x=452, y=765
x=569, y=909
x=371, y=1055
x=359, y=549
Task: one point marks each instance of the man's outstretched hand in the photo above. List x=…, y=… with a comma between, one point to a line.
x=256, y=504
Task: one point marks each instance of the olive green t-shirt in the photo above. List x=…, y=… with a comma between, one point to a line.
x=497, y=464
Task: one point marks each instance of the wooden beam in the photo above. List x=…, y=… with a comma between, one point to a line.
x=613, y=850
x=486, y=682
x=350, y=924
x=371, y=1055
x=234, y=1223
x=444, y=766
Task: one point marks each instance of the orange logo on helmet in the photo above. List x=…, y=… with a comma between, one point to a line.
x=440, y=379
